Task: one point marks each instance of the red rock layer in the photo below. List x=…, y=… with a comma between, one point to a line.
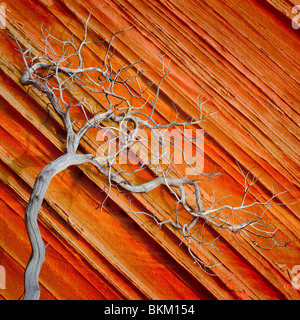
x=246, y=56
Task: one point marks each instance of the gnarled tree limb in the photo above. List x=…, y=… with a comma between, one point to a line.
x=128, y=125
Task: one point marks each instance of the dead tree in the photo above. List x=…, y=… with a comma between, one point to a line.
x=56, y=73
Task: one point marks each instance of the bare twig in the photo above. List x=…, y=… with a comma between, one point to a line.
x=130, y=127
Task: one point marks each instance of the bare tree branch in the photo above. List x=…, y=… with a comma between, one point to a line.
x=130, y=127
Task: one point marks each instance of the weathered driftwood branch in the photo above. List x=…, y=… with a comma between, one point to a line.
x=129, y=125
x=32, y=291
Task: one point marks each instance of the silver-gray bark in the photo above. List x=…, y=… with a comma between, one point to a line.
x=51, y=75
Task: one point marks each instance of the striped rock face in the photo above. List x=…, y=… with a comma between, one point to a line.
x=245, y=56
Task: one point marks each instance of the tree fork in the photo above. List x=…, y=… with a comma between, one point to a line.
x=244, y=220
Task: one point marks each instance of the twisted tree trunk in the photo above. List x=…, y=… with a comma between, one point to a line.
x=36, y=260
x=59, y=83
